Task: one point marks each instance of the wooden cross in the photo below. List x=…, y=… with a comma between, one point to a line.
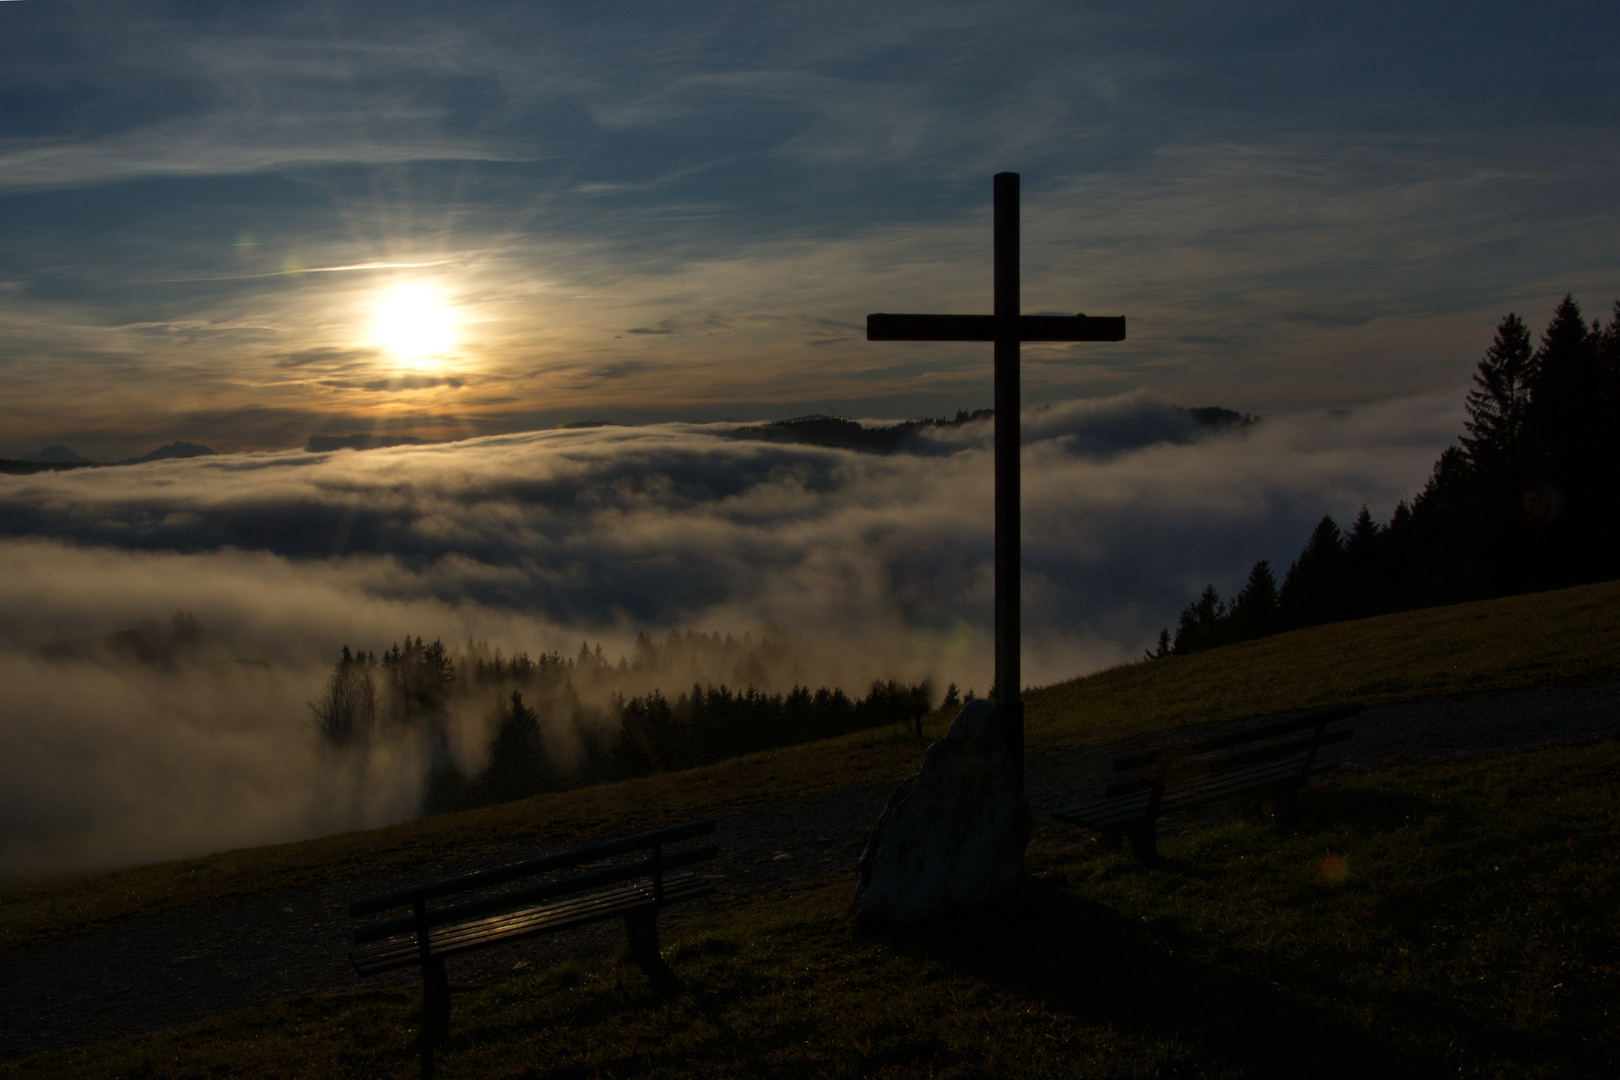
x=1008, y=329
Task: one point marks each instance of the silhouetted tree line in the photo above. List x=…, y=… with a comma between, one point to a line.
x=886, y=438
x=651, y=733
x=750, y=660
x=554, y=740
x=418, y=679
x=851, y=434
x=1529, y=500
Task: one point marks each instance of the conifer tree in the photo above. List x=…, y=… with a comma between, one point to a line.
x=1446, y=489
x=1313, y=590
x=1163, y=649
x=1500, y=400
x=1606, y=349
x=1363, y=564
x=1602, y=447
x=1564, y=392
x=1530, y=500
x=1567, y=432
x=517, y=761
x=1254, y=611
x=1440, y=550
x=1603, y=344
x=1363, y=534
x=1200, y=626
x=1563, y=368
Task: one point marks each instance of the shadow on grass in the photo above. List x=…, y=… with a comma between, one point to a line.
x=1083, y=959
x=1318, y=809
x=1367, y=810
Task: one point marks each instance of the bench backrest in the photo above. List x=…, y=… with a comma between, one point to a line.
x=416, y=899
x=1156, y=766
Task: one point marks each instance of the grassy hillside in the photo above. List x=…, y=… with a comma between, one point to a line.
x=1490, y=645
x=1455, y=920
x=1496, y=644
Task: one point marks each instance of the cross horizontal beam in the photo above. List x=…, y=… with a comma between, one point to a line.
x=985, y=328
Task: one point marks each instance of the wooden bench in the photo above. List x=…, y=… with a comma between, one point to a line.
x=635, y=890
x=1210, y=770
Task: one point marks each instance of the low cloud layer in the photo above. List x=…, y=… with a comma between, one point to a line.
x=881, y=563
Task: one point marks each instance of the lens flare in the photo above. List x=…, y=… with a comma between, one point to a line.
x=414, y=324
x=1333, y=870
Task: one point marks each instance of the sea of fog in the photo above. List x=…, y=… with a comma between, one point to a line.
x=878, y=565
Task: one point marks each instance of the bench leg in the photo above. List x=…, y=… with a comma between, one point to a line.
x=1145, y=841
x=435, y=994
x=1285, y=806
x=641, y=927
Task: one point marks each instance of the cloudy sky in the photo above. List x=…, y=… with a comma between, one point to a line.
x=243, y=223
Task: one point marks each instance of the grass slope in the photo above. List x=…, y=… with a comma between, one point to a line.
x=1495, y=644
x=1451, y=920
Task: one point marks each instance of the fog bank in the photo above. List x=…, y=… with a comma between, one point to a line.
x=880, y=564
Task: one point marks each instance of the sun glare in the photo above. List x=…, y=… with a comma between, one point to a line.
x=414, y=324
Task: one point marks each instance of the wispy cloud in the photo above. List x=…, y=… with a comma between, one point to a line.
x=1292, y=211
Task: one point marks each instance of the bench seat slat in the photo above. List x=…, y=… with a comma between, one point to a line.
x=398, y=952
x=498, y=875
x=614, y=902
x=535, y=894
x=477, y=935
x=402, y=953
x=566, y=904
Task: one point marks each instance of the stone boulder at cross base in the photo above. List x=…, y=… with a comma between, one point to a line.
x=953, y=836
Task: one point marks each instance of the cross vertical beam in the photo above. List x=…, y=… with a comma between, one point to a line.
x=1009, y=597
x=1008, y=329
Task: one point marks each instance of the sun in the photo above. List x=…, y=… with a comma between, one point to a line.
x=414, y=324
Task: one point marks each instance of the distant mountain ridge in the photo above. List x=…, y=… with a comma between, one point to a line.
x=57, y=457
x=817, y=429
x=325, y=444
x=176, y=449
x=57, y=454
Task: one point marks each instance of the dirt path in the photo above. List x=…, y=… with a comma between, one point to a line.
x=177, y=966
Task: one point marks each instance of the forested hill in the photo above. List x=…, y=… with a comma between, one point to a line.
x=1528, y=500
x=852, y=435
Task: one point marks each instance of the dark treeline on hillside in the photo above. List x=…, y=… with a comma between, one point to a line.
x=555, y=722
x=17, y=467
x=1530, y=500
x=654, y=734
x=852, y=435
